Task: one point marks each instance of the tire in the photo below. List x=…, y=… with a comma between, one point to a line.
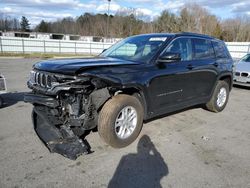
x=215, y=104
x=111, y=115
x=1, y=102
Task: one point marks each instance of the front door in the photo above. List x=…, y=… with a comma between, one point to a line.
x=171, y=85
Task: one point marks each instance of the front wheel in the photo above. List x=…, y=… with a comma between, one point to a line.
x=219, y=98
x=120, y=120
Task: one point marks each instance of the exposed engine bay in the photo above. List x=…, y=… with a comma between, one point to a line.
x=65, y=109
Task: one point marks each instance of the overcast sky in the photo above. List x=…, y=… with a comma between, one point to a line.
x=36, y=10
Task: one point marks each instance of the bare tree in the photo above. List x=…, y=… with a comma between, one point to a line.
x=129, y=21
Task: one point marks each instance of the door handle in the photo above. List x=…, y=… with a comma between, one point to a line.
x=190, y=66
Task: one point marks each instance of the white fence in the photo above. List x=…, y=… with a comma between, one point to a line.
x=27, y=45
x=238, y=49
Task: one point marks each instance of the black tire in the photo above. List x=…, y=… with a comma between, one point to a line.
x=1, y=102
x=212, y=105
x=107, y=119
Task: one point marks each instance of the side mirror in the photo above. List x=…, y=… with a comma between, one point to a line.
x=169, y=57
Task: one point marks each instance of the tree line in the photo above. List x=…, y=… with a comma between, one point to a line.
x=13, y=24
x=127, y=22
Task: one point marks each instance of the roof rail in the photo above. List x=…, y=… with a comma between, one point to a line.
x=195, y=34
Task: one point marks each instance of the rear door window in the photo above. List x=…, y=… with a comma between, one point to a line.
x=203, y=49
x=220, y=50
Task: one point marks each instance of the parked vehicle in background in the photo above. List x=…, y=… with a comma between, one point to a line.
x=3, y=89
x=242, y=71
x=138, y=78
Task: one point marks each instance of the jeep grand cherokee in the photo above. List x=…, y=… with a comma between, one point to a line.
x=138, y=78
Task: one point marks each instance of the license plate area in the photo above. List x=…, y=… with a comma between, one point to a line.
x=242, y=79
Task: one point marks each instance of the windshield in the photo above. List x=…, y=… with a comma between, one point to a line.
x=246, y=58
x=137, y=48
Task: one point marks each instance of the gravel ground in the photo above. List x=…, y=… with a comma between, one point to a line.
x=192, y=148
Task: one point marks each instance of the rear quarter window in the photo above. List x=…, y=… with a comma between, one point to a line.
x=220, y=50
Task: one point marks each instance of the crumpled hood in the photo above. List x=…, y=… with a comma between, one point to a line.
x=71, y=66
x=242, y=66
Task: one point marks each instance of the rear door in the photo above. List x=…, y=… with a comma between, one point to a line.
x=205, y=68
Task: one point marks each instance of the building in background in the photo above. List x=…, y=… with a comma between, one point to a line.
x=57, y=36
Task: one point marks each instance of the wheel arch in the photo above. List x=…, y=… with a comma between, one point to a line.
x=227, y=78
x=138, y=93
x=116, y=86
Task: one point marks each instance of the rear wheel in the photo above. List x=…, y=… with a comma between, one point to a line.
x=120, y=120
x=220, y=97
x=1, y=102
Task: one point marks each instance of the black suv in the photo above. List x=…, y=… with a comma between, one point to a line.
x=138, y=78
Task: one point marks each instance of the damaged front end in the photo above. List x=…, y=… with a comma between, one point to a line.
x=65, y=110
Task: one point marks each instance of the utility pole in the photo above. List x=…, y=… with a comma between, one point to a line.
x=107, y=34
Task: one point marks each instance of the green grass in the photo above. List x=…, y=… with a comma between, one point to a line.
x=42, y=55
